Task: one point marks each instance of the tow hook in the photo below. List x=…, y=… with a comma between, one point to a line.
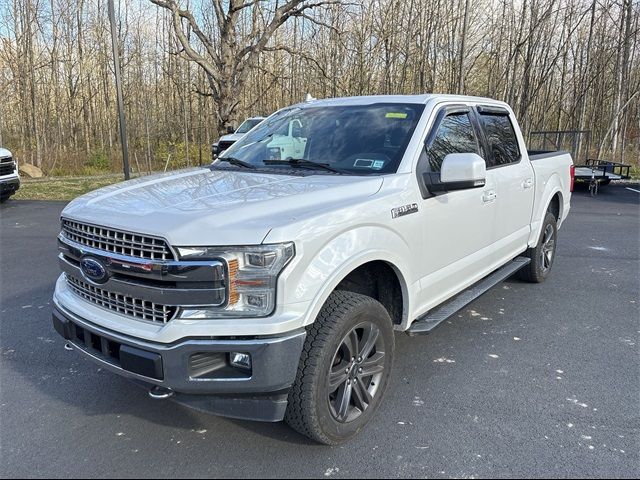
x=160, y=393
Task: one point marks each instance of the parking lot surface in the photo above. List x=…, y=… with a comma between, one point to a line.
x=529, y=381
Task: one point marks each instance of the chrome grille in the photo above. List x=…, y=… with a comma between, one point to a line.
x=117, y=241
x=123, y=304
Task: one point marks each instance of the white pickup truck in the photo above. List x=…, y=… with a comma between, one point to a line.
x=9, y=175
x=268, y=287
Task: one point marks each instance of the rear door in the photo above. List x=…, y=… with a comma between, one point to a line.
x=514, y=181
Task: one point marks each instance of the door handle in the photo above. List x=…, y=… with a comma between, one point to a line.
x=528, y=183
x=489, y=196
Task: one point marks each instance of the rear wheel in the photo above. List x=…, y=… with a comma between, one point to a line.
x=543, y=254
x=344, y=369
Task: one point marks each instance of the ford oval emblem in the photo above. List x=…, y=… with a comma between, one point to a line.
x=93, y=270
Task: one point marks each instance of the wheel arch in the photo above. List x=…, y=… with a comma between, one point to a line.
x=552, y=200
x=349, y=277
x=556, y=205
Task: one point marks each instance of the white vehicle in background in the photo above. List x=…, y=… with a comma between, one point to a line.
x=233, y=136
x=268, y=286
x=289, y=142
x=9, y=176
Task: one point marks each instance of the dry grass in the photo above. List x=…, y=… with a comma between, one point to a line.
x=62, y=188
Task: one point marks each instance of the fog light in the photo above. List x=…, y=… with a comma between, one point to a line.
x=240, y=360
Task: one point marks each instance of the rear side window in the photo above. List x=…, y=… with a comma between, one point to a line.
x=455, y=135
x=502, y=140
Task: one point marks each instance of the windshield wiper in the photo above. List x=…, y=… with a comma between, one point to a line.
x=236, y=162
x=301, y=162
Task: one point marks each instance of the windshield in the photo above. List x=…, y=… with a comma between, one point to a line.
x=248, y=125
x=356, y=139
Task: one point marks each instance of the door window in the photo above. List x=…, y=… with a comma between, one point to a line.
x=502, y=140
x=455, y=135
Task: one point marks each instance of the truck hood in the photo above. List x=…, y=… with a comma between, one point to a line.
x=231, y=137
x=217, y=207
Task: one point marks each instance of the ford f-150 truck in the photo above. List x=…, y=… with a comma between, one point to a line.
x=268, y=286
x=9, y=175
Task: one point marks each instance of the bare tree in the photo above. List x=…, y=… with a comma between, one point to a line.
x=562, y=64
x=228, y=56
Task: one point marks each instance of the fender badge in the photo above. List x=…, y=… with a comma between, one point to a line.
x=404, y=210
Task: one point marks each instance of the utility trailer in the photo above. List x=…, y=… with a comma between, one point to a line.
x=598, y=173
x=595, y=173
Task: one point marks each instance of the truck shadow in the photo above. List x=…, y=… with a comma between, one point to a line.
x=610, y=194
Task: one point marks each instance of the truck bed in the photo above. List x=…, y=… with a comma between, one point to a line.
x=542, y=154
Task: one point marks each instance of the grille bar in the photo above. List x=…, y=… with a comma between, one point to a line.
x=123, y=304
x=117, y=241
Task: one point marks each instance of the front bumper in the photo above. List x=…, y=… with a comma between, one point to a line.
x=9, y=185
x=256, y=394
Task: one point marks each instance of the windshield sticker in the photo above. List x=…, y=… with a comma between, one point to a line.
x=396, y=115
x=363, y=163
x=368, y=163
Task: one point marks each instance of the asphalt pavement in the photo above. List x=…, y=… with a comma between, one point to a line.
x=529, y=381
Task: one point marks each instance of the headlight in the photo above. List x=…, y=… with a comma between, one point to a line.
x=252, y=274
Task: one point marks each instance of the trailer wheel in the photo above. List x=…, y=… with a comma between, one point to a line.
x=543, y=254
x=344, y=370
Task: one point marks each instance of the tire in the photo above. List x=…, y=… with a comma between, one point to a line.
x=540, y=266
x=4, y=198
x=313, y=409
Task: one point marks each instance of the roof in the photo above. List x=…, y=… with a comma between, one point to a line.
x=421, y=99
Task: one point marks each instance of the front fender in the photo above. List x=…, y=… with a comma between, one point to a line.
x=321, y=272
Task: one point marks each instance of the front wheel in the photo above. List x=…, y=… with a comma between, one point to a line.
x=543, y=254
x=344, y=369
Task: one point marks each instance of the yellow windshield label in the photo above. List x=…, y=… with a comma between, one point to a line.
x=396, y=115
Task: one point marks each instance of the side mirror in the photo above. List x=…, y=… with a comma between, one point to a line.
x=459, y=171
x=230, y=130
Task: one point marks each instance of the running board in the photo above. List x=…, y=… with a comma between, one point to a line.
x=435, y=317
